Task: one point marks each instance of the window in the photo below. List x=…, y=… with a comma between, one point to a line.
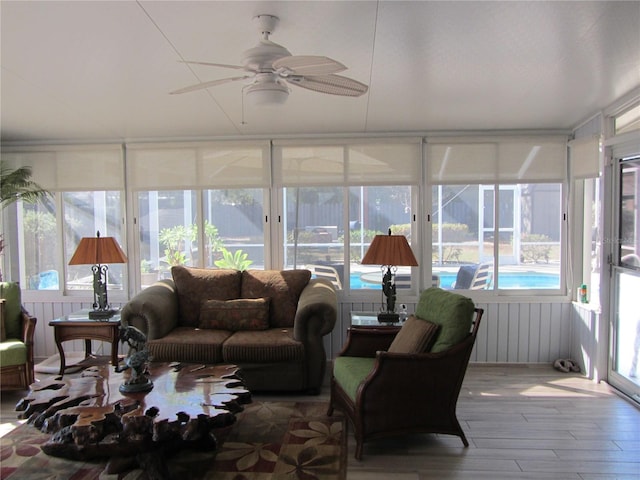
x=37, y=228
x=234, y=228
x=585, y=167
x=85, y=214
x=516, y=227
x=171, y=233
x=490, y=230
x=199, y=204
x=529, y=234
x=495, y=205
x=167, y=229
x=88, y=184
x=628, y=121
x=337, y=197
x=316, y=233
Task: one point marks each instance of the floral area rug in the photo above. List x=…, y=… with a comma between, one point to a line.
x=270, y=440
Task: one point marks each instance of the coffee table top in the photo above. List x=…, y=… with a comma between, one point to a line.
x=186, y=402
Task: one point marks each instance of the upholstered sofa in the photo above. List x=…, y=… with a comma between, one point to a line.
x=270, y=323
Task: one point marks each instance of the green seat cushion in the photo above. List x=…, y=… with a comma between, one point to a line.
x=12, y=352
x=349, y=372
x=452, y=311
x=10, y=291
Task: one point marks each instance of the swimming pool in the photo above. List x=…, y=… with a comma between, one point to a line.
x=508, y=280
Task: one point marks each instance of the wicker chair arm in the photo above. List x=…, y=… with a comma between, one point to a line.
x=367, y=341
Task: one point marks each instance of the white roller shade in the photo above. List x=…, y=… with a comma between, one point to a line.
x=354, y=162
x=201, y=165
x=60, y=168
x=496, y=159
x=585, y=155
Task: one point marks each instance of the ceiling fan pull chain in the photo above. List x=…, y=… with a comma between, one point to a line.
x=242, y=122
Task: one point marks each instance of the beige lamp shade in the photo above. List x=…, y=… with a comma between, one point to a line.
x=98, y=250
x=390, y=250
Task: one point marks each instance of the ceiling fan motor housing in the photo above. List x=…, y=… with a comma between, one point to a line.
x=261, y=57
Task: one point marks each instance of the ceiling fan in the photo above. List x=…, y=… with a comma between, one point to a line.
x=271, y=67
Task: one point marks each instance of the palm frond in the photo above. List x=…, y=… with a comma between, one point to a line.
x=17, y=185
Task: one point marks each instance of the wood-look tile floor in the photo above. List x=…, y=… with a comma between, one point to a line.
x=522, y=421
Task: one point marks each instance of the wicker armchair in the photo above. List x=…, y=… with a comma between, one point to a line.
x=16, y=345
x=385, y=393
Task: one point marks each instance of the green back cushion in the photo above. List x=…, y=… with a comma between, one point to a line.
x=452, y=311
x=10, y=291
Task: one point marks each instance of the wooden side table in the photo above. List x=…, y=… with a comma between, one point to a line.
x=78, y=326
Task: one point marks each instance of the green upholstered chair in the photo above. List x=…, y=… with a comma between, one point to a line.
x=16, y=346
x=388, y=384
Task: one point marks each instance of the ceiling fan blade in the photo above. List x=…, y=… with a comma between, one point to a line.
x=210, y=64
x=212, y=83
x=332, y=84
x=307, y=65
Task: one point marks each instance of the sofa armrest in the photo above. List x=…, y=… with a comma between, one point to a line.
x=315, y=317
x=153, y=311
x=317, y=310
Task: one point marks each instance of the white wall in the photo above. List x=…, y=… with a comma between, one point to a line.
x=589, y=344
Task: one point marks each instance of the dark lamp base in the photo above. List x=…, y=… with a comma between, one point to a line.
x=388, y=317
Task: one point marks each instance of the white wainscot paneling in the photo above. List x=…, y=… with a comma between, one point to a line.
x=509, y=332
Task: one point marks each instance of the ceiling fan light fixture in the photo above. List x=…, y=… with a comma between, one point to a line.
x=271, y=93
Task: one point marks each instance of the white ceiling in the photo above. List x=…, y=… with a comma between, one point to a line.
x=101, y=71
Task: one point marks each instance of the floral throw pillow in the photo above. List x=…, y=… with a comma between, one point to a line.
x=234, y=315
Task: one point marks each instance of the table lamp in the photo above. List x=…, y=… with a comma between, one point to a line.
x=98, y=251
x=389, y=251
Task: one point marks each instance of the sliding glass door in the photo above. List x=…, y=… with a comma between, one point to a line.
x=624, y=366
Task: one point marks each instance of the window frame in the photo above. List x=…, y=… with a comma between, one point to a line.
x=421, y=211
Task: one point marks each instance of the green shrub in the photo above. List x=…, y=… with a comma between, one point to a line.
x=534, y=253
x=452, y=232
x=402, y=229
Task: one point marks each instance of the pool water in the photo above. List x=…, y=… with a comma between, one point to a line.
x=509, y=280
